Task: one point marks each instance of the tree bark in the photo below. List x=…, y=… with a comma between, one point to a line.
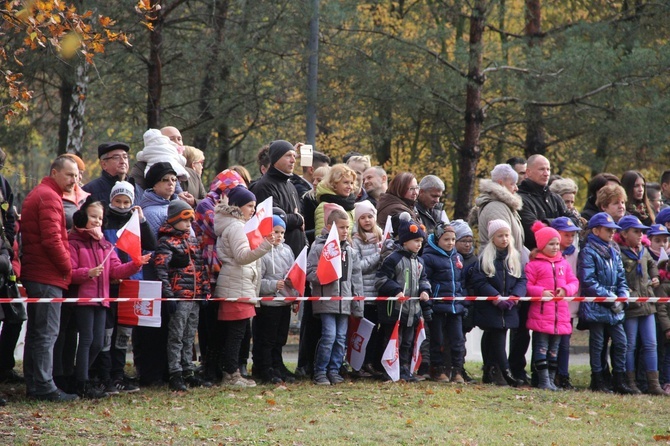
x=470, y=151
x=66, y=89
x=75, y=124
x=536, y=137
x=155, y=69
x=312, y=73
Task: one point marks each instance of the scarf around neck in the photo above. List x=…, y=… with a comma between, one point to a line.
x=95, y=233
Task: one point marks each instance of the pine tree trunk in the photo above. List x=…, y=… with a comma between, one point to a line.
x=536, y=137
x=75, y=124
x=155, y=71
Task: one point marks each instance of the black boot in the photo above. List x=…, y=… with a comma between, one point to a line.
x=86, y=389
x=177, y=382
x=620, y=385
x=511, y=380
x=486, y=375
x=563, y=382
x=193, y=380
x=598, y=383
x=496, y=375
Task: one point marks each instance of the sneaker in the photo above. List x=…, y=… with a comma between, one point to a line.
x=468, y=379
x=56, y=396
x=285, y=374
x=439, y=374
x=110, y=389
x=369, y=368
x=320, y=379
x=123, y=386
x=235, y=379
x=457, y=377
x=302, y=374
x=177, y=382
x=269, y=376
x=11, y=377
x=195, y=381
x=89, y=391
x=334, y=378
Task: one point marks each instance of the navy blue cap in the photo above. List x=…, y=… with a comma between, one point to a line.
x=664, y=216
x=603, y=219
x=657, y=229
x=564, y=224
x=631, y=221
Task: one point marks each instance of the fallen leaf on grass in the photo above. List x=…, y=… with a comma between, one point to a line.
x=458, y=391
x=126, y=428
x=661, y=437
x=430, y=392
x=313, y=421
x=409, y=422
x=271, y=402
x=572, y=417
x=37, y=414
x=590, y=412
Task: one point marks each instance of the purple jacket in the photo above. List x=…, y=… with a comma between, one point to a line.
x=545, y=273
x=87, y=253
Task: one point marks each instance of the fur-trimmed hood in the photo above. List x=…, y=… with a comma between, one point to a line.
x=225, y=214
x=490, y=191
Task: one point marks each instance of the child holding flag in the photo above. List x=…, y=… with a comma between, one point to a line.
x=94, y=264
x=180, y=268
x=402, y=274
x=333, y=270
x=271, y=324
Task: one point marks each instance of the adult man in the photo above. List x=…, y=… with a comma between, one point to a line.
x=175, y=136
x=46, y=272
x=539, y=203
x=375, y=183
x=275, y=183
x=428, y=204
x=304, y=183
x=519, y=164
x=113, y=157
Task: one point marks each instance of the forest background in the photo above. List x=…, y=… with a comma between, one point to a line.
x=447, y=87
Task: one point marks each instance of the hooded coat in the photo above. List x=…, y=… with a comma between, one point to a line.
x=495, y=202
x=444, y=270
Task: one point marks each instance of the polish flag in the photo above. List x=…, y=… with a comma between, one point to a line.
x=298, y=272
x=140, y=313
x=329, y=268
x=388, y=229
x=359, y=333
x=662, y=257
x=419, y=337
x=443, y=217
x=129, y=240
x=260, y=225
x=391, y=358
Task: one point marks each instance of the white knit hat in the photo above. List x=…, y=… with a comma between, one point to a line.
x=496, y=225
x=362, y=208
x=122, y=188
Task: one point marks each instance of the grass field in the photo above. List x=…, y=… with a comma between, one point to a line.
x=362, y=412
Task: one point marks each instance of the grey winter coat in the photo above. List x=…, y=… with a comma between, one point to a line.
x=273, y=267
x=351, y=286
x=495, y=202
x=369, y=255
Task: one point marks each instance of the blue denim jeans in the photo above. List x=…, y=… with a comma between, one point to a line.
x=446, y=331
x=41, y=334
x=564, y=355
x=645, y=328
x=545, y=347
x=330, y=350
x=597, y=346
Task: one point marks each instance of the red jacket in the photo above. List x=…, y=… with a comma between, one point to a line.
x=87, y=253
x=46, y=251
x=544, y=273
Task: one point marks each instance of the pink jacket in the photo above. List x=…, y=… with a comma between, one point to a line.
x=87, y=253
x=545, y=273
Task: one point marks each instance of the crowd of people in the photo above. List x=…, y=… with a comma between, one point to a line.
x=531, y=242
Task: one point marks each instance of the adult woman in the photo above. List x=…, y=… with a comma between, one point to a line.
x=638, y=204
x=195, y=161
x=612, y=200
x=400, y=197
x=498, y=200
x=566, y=188
x=337, y=187
x=596, y=183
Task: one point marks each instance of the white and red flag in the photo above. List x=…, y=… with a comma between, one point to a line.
x=142, y=313
x=129, y=239
x=297, y=274
x=391, y=357
x=359, y=333
x=388, y=229
x=260, y=225
x=329, y=268
x=419, y=337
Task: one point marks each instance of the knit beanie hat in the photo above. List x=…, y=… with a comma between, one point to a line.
x=543, y=234
x=461, y=228
x=156, y=172
x=278, y=221
x=224, y=181
x=408, y=229
x=239, y=196
x=123, y=188
x=328, y=208
x=179, y=210
x=364, y=207
x=441, y=229
x=496, y=225
x=278, y=149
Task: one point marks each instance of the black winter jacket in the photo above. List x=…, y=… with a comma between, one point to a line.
x=179, y=265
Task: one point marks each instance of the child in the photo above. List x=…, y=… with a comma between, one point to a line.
x=238, y=277
x=443, y=268
x=180, y=267
x=94, y=264
x=112, y=359
x=367, y=244
x=548, y=275
x=641, y=277
x=465, y=245
x=658, y=237
x=498, y=273
x=570, y=250
x=271, y=325
x=601, y=274
x=402, y=274
x=334, y=314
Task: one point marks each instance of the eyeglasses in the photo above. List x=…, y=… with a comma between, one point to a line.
x=116, y=158
x=201, y=162
x=466, y=242
x=414, y=189
x=169, y=180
